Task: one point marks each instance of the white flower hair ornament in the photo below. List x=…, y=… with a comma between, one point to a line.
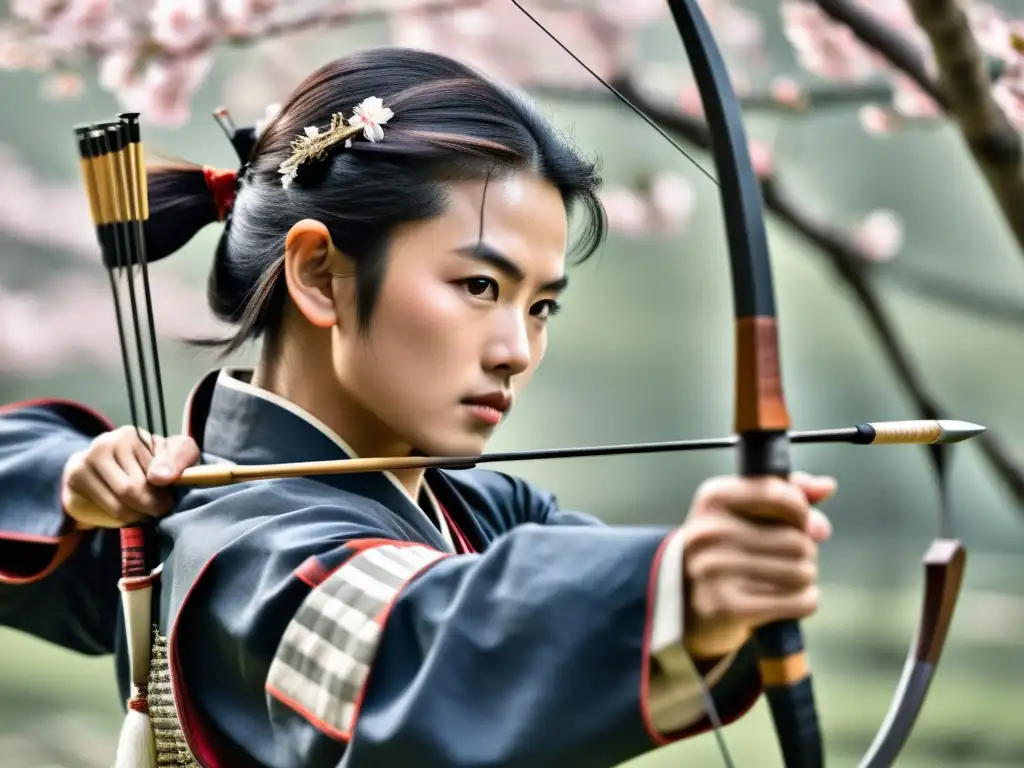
x=368, y=117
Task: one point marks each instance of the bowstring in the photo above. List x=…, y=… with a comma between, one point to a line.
x=708, y=700
x=618, y=94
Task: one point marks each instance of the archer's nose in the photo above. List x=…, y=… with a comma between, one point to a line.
x=509, y=349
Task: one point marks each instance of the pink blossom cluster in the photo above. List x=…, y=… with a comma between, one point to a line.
x=879, y=236
x=152, y=55
x=494, y=35
x=664, y=205
x=829, y=49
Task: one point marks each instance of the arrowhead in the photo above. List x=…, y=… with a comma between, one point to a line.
x=954, y=431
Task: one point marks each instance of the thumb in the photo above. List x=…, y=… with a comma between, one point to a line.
x=817, y=488
x=173, y=456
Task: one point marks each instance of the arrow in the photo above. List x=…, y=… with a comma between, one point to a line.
x=918, y=432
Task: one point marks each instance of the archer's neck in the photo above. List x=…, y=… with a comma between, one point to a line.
x=301, y=373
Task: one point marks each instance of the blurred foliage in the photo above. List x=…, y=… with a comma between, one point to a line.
x=644, y=352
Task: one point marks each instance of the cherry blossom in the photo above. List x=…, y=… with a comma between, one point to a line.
x=830, y=50
x=245, y=17
x=877, y=120
x=672, y=202
x=495, y=36
x=880, y=235
x=788, y=92
x=159, y=89
x=371, y=114
x=761, y=158
x=178, y=25
x=627, y=211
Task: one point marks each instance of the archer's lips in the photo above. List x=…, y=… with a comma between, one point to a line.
x=489, y=409
x=498, y=401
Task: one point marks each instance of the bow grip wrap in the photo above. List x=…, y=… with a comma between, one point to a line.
x=782, y=658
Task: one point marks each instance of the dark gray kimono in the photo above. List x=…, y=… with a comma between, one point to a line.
x=335, y=622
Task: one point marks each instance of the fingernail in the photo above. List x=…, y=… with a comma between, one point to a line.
x=828, y=484
x=159, y=469
x=819, y=526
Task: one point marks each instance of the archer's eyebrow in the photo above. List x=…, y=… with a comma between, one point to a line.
x=488, y=255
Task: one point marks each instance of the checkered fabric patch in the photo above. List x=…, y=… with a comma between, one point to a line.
x=324, y=657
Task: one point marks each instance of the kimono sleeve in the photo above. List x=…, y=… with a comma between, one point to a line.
x=377, y=650
x=677, y=684
x=53, y=577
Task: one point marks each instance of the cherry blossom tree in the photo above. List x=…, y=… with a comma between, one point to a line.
x=154, y=55
x=902, y=63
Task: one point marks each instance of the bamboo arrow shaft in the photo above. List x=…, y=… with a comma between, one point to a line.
x=919, y=432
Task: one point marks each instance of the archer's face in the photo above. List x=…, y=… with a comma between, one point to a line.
x=461, y=322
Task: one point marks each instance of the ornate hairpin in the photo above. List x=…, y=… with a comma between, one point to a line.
x=367, y=117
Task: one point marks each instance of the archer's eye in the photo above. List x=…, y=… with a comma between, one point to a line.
x=544, y=310
x=479, y=287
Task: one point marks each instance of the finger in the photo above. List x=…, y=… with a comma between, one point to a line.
x=751, y=537
x=745, y=603
x=88, y=499
x=817, y=488
x=764, y=609
x=145, y=449
x=129, y=482
x=767, y=498
x=144, y=439
x=819, y=528
x=88, y=515
x=766, y=574
x=127, y=433
x=173, y=457
x=102, y=455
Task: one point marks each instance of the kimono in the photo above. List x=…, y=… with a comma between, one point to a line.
x=338, y=621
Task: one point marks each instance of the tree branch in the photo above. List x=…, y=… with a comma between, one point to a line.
x=853, y=268
x=819, y=96
x=889, y=43
x=994, y=143
x=963, y=90
x=314, y=21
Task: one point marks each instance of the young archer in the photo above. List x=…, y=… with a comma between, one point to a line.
x=401, y=281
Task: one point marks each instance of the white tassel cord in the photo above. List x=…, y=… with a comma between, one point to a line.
x=136, y=747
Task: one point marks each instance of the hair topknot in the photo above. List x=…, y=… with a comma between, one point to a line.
x=449, y=123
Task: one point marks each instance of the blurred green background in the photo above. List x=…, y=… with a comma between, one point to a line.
x=643, y=352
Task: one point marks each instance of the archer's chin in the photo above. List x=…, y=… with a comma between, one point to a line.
x=464, y=442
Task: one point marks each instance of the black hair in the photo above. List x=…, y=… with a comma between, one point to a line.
x=450, y=123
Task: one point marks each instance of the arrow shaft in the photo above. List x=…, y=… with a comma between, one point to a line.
x=876, y=433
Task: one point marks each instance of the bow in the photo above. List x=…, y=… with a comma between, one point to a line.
x=761, y=418
x=762, y=424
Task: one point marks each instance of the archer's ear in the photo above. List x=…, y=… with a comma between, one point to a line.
x=308, y=259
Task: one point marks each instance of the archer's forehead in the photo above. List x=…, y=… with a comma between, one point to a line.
x=518, y=214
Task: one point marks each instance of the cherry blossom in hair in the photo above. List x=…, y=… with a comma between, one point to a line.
x=367, y=118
